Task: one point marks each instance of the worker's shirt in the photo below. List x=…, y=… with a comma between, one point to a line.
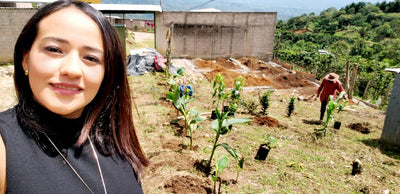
x=329, y=88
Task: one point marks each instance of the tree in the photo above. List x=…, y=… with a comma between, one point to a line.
x=383, y=31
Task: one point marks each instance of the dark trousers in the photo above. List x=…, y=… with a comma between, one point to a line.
x=323, y=109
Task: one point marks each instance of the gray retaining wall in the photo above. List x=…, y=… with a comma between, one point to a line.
x=217, y=34
x=196, y=34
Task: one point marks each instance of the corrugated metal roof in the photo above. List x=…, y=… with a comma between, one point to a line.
x=102, y=7
x=127, y=7
x=26, y=1
x=396, y=70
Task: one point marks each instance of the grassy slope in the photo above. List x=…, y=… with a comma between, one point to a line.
x=300, y=162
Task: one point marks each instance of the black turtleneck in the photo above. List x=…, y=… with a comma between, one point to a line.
x=40, y=169
x=37, y=122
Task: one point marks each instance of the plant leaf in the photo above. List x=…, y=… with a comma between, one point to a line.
x=222, y=164
x=236, y=121
x=180, y=71
x=230, y=150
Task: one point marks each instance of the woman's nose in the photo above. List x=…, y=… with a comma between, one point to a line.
x=71, y=65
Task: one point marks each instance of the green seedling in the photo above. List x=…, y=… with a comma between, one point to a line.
x=221, y=127
x=235, y=97
x=219, y=94
x=270, y=141
x=219, y=167
x=291, y=106
x=330, y=108
x=264, y=101
x=191, y=117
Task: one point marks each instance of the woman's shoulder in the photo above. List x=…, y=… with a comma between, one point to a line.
x=8, y=119
x=8, y=114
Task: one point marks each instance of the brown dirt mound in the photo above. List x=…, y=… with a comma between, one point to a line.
x=359, y=127
x=187, y=184
x=230, y=76
x=219, y=62
x=266, y=120
x=292, y=80
x=252, y=63
x=261, y=74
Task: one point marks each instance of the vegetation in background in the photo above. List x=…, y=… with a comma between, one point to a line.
x=362, y=33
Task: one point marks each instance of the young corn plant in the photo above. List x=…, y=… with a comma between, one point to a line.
x=219, y=167
x=219, y=94
x=220, y=126
x=330, y=108
x=191, y=117
x=235, y=97
x=291, y=106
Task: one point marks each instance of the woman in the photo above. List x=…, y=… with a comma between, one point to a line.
x=72, y=129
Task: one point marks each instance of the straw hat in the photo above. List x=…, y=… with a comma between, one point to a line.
x=332, y=76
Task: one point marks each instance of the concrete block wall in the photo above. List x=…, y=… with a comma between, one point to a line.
x=11, y=23
x=217, y=34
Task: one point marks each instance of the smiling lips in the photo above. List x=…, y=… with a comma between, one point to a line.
x=66, y=89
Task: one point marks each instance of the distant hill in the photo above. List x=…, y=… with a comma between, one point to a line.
x=286, y=9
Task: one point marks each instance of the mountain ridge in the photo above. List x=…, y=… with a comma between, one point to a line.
x=286, y=9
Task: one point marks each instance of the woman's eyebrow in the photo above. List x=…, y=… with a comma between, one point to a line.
x=56, y=39
x=94, y=49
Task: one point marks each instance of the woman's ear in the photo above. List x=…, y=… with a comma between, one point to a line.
x=25, y=59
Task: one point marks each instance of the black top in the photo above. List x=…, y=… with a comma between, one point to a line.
x=33, y=169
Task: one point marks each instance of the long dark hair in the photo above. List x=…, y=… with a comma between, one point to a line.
x=109, y=115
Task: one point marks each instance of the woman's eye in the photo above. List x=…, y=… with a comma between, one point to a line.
x=53, y=49
x=92, y=59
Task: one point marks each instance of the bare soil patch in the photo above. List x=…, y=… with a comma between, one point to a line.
x=187, y=184
x=359, y=127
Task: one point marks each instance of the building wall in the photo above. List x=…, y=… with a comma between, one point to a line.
x=196, y=34
x=141, y=24
x=11, y=23
x=217, y=34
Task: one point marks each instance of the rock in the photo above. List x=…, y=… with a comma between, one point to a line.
x=300, y=98
x=385, y=192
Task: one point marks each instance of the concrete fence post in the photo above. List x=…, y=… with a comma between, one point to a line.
x=391, y=128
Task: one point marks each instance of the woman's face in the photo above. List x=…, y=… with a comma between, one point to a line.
x=66, y=62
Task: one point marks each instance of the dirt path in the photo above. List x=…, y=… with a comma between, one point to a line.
x=142, y=36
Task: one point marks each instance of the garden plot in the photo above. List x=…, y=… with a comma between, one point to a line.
x=300, y=162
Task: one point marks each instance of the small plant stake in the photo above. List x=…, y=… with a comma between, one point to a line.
x=357, y=167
